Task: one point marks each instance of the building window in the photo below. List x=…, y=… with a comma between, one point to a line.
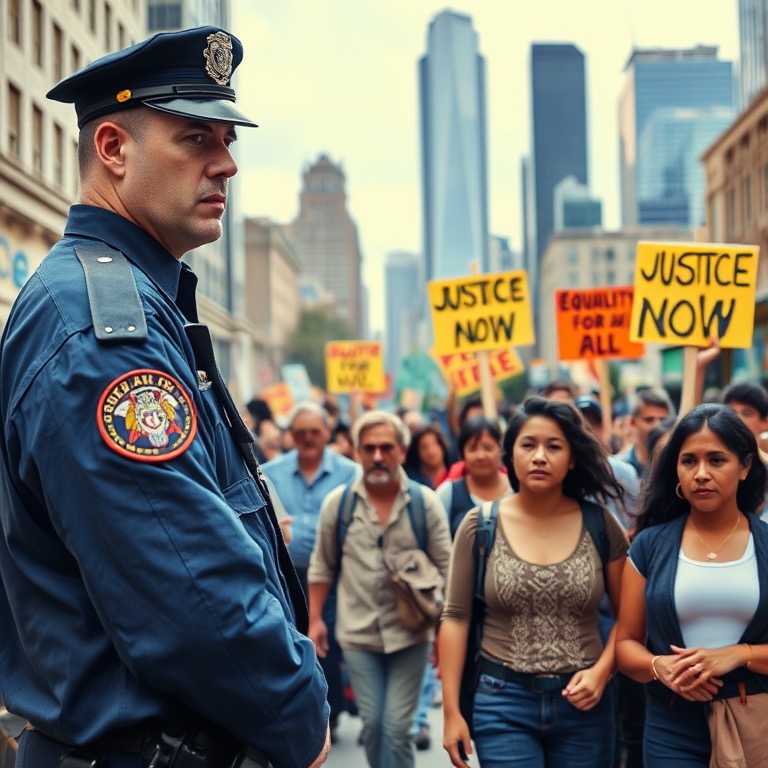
x=37, y=33
x=610, y=254
x=14, y=21
x=748, y=199
x=37, y=139
x=596, y=256
x=14, y=121
x=610, y=277
x=75, y=58
x=107, y=26
x=58, y=154
x=75, y=5
x=572, y=255
x=58, y=53
x=573, y=279
x=120, y=36
x=596, y=278
x=92, y=15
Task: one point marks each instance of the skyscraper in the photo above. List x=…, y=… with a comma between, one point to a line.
x=673, y=104
x=753, y=48
x=559, y=127
x=453, y=149
x=403, y=306
x=325, y=237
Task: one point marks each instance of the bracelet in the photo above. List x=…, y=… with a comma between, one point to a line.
x=653, y=667
x=751, y=654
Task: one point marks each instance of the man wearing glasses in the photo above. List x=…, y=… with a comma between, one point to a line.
x=385, y=660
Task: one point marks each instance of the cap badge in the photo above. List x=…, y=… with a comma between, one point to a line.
x=218, y=56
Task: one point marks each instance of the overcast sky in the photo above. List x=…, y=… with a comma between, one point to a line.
x=340, y=77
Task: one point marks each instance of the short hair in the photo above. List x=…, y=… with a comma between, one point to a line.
x=474, y=428
x=558, y=385
x=591, y=476
x=467, y=406
x=749, y=393
x=134, y=121
x=657, y=398
x=377, y=419
x=661, y=504
x=313, y=409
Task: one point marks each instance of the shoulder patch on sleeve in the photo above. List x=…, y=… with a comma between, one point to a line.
x=146, y=415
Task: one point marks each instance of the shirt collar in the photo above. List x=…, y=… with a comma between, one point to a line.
x=139, y=246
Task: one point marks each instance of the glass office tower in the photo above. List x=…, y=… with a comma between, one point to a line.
x=453, y=149
x=559, y=127
x=673, y=104
x=753, y=49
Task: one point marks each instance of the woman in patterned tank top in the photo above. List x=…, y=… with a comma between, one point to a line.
x=541, y=700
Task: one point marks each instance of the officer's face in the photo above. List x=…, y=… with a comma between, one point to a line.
x=176, y=178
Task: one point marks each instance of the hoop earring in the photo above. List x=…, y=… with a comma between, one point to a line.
x=679, y=492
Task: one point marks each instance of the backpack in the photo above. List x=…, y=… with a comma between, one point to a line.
x=418, y=584
x=416, y=513
x=594, y=522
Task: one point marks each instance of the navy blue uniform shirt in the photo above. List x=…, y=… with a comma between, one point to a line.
x=138, y=563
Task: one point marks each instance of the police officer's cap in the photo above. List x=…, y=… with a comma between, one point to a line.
x=184, y=73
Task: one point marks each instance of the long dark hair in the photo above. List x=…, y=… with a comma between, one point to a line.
x=661, y=503
x=412, y=459
x=591, y=476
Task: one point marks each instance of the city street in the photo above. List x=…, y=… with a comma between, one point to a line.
x=345, y=752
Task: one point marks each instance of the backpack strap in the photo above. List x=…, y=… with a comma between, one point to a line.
x=417, y=513
x=594, y=522
x=461, y=503
x=347, y=504
x=486, y=532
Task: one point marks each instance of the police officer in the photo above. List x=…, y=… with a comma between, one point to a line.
x=148, y=614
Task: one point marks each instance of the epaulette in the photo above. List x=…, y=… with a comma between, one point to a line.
x=116, y=308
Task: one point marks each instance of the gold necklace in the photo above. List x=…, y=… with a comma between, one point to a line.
x=712, y=554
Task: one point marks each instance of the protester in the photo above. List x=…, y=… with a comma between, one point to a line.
x=540, y=700
x=695, y=595
x=479, y=447
x=426, y=460
x=303, y=478
x=148, y=604
x=385, y=659
x=750, y=403
x=651, y=407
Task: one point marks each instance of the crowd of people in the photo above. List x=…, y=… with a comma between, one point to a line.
x=155, y=558
x=586, y=659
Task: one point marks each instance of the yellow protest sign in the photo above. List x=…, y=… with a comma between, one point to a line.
x=689, y=293
x=354, y=366
x=470, y=314
x=463, y=368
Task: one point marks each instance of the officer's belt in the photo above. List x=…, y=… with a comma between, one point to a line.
x=133, y=740
x=130, y=739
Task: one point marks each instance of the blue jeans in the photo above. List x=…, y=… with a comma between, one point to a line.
x=515, y=726
x=421, y=718
x=387, y=687
x=676, y=736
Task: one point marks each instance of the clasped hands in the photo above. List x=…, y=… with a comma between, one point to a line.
x=693, y=673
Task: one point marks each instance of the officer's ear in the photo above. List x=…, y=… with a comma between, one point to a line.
x=109, y=141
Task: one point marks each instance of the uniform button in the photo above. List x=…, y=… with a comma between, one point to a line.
x=131, y=328
x=109, y=329
x=104, y=259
